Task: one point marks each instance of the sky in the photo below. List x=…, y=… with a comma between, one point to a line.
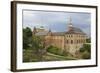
x=56, y=21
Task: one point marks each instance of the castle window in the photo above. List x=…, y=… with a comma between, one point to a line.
x=77, y=41
x=67, y=41
x=71, y=41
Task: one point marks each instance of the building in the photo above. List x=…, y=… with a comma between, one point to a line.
x=70, y=41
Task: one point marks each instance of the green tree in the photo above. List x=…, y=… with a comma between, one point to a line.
x=86, y=47
x=86, y=51
x=88, y=40
x=27, y=37
x=38, y=46
x=54, y=50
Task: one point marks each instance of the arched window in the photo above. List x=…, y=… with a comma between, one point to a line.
x=71, y=41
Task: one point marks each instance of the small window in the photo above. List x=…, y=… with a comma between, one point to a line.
x=67, y=41
x=71, y=41
x=77, y=41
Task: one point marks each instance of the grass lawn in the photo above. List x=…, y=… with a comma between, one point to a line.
x=29, y=56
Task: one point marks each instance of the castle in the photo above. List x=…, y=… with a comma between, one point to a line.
x=70, y=41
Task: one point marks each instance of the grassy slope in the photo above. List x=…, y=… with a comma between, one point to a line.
x=29, y=56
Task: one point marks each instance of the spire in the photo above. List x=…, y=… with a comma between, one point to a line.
x=70, y=23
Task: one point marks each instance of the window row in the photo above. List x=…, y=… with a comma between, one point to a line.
x=75, y=35
x=75, y=41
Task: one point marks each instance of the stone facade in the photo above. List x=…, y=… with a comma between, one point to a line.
x=70, y=41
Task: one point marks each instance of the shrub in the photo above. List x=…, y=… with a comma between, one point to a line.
x=88, y=40
x=54, y=50
x=86, y=55
x=86, y=47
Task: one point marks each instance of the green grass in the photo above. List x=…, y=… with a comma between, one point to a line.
x=29, y=56
x=59, y=57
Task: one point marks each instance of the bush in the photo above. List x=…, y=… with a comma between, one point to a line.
x=86, y=51
x=88, y=40
x=57, y=51
x=64, y=53
x=54, y=50
x=86, y=55
x=86, y=47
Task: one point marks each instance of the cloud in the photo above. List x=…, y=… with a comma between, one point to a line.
x=56, y=21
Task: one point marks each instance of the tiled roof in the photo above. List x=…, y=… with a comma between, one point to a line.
x=75, y=30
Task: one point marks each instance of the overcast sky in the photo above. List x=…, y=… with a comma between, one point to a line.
x=56, y=21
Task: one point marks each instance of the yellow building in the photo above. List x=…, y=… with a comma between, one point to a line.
x=70, y=41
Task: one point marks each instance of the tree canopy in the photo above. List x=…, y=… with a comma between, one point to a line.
x=27, y=37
